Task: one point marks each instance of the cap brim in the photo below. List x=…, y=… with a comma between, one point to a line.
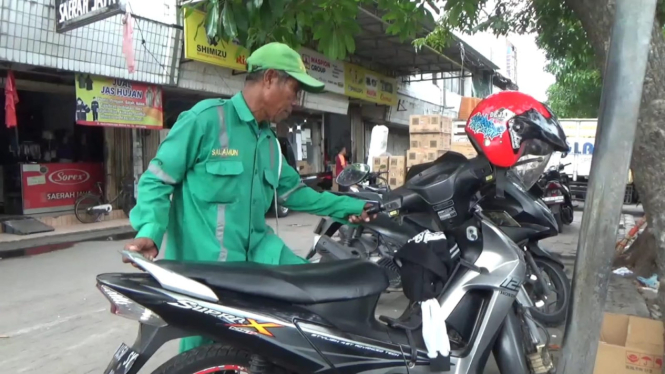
x=308, y=83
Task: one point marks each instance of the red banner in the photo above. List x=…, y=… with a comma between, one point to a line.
x=55, y=187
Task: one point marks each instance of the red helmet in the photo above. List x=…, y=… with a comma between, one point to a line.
x=505, y=123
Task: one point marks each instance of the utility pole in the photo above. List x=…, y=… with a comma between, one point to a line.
x=619, y=110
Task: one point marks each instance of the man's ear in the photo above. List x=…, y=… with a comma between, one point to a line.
x=270, y=77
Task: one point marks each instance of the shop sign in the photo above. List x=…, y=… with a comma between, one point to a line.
x=330, y=72
x=364, y=84
x=197, y=48
x=72, y=14
x=110, y=102
x=55, y=187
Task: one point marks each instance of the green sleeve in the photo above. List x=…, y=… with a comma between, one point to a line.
x=293, y=194
x=174, y=157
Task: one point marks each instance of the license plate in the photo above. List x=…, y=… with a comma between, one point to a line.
x=122, y=360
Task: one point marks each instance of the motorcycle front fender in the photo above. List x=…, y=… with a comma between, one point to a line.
x=537, y=251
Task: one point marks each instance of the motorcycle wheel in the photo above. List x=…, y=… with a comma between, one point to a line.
x=558, y=280
x=567, y=214
x=201, y=360
x=282, y=211
x=559, y=221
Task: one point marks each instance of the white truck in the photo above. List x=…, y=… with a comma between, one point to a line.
x=581, y=138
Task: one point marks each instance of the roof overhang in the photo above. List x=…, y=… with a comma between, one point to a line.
x=400, y=57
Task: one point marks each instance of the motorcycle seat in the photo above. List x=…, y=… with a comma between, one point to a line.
x=297, y=284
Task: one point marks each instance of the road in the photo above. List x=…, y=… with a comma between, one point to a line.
x=57, y=322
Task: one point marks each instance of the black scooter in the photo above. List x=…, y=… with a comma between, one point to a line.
x=553, y=188
x=377, y=241
x=320, y=318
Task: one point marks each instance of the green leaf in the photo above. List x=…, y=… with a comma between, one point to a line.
x=228, y=21
x=257, y=3
x=212, y=22
x=350, y=43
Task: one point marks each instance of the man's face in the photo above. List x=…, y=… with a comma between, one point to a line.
x=280, y=95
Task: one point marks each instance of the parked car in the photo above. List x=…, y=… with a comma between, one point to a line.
x=318, y=181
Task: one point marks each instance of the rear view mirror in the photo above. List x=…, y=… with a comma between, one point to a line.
x=353, y=174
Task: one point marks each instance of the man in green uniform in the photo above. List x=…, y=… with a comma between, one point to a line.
x=223, y=166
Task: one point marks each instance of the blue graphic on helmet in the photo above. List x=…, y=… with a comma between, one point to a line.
x=481, y=124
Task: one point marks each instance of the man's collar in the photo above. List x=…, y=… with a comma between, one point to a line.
x=242, y=109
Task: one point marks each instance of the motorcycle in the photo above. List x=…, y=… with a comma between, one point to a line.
x=321, y=317
x=553, y=188
x=377, y=241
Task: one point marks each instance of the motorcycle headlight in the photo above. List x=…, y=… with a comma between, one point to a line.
x=123, y=306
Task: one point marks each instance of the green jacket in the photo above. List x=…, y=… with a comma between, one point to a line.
x=222, y=169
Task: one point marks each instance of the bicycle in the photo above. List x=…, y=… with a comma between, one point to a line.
x=92, y=206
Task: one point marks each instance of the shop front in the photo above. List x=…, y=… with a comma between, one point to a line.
x=72, y=137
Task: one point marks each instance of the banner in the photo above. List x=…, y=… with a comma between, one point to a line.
x=55, y=187
x=330, y=72
x=197, y=48
x=364, y=84
x=102, y=101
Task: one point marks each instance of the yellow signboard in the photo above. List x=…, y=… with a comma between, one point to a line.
x=228, y=55
x=102, y=101
x=364, y=84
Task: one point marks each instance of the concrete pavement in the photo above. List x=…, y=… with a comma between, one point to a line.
x=56, y=321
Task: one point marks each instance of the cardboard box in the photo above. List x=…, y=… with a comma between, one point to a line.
x=629, y=345
x=464, y=147
x=467, y=106
x=417, y=156
x=430, y=124
x=434, y=141
x=304, y=167
x=397, y=163
x=380, y=163
x=396, y=177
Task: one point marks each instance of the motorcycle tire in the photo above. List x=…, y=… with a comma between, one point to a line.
x=561, y=284
x=567, y=214
x=282, y=211
x=224, y=358
x=559, y=221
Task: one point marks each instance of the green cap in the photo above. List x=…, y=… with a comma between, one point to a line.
x=280, y=56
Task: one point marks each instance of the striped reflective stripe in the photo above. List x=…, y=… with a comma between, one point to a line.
x=219, y=232
x=223, y=134
x=221, y=208
x=161, y=174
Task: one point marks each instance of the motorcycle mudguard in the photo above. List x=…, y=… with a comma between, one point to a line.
x=538, y=251
x=148, y=341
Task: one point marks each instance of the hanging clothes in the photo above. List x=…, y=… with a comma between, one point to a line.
x=128, y=41
x=11, y=99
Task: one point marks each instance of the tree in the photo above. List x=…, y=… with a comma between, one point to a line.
x=329, y=25
x=576, y=93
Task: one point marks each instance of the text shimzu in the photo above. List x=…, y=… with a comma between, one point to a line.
x=71, y=9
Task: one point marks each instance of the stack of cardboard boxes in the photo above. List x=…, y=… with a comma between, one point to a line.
x=430, y=137
x=381, y=164
x=397, y=171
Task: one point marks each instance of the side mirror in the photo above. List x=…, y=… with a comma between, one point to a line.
x=353, y=174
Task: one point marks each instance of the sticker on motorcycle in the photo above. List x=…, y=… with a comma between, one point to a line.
x=253, y=327
x=235, y=323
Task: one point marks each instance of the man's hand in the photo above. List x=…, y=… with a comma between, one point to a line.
x=144, y=246
x=364, y=217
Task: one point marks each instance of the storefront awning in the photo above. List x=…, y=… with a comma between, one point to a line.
x=375, y=46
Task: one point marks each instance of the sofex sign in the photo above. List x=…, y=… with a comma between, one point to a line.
x=72, y=14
